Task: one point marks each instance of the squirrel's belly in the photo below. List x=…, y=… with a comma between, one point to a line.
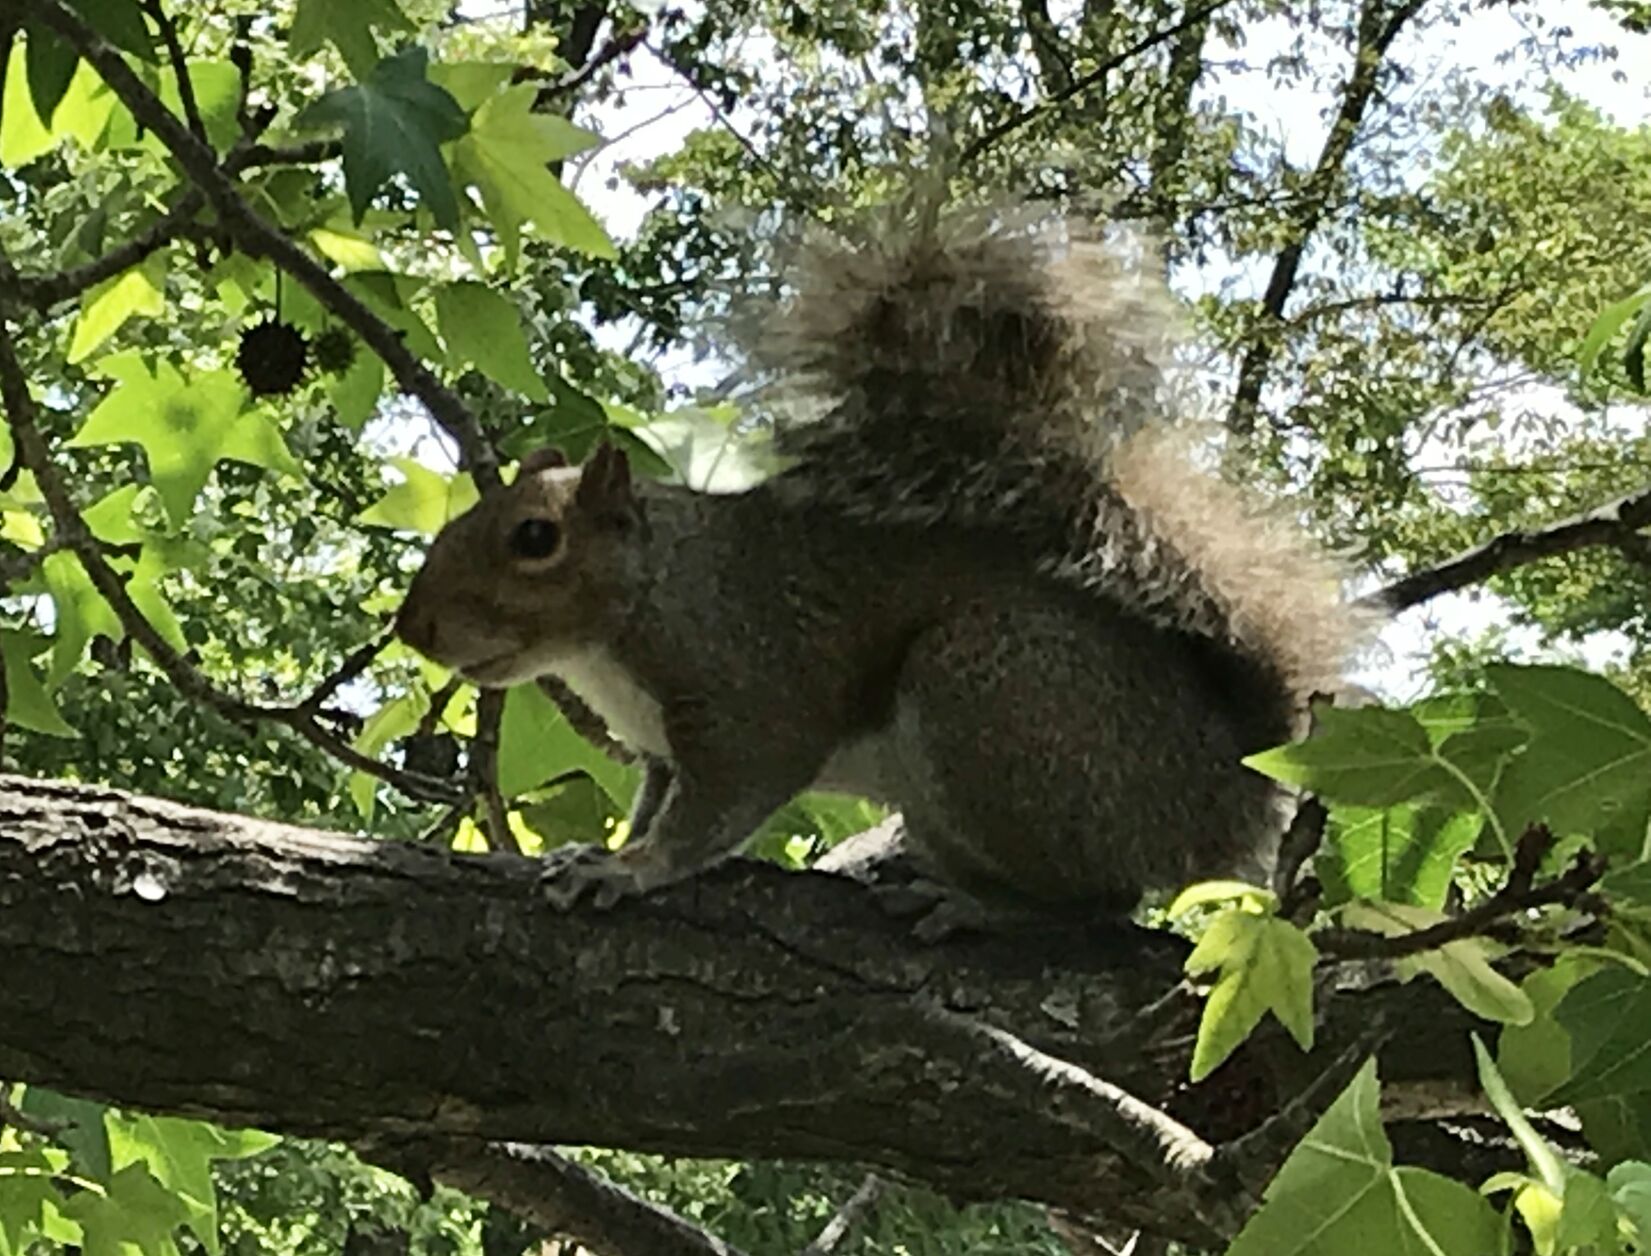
x=631, y=713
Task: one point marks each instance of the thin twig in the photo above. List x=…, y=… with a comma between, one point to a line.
x=1615, y=523
x=44, y=291
x=1301, y=841
x=354, y=664
x=262, y=239
x=1520, y=894
x=180, y=67
x=1082, y=84
x=853, y=1211
x=484, y=770
x=551, y=94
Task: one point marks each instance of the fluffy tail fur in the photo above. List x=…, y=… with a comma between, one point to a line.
x=996, y=370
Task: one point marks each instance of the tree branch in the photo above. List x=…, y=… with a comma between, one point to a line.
x=1615, y=523
x=1520, y=894
x=841, y=1225
x=262, y=239
x=551, y=1191
x=1377, y=31
x=1084, y=82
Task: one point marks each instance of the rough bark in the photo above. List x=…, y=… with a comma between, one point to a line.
x=301, y=981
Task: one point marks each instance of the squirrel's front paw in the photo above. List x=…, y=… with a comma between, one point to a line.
x=603, y=877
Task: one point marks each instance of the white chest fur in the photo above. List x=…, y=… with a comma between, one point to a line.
x=629, y=711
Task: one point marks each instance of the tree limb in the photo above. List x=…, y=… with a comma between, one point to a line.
x=319, y=985
x=263, y=239
x=551, y=1191
x=1615, y=523
x=842, y=1223
x=1378, y=28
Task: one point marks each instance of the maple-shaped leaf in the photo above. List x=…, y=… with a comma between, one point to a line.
x=180, y=1154
x=484, y=330
x=506, y=156
x=347, y=27
x=394, y=122
x=425, y=502
x=137, y=1211
x=1265, y=964
x=28, y=705
x=141, y=290
x=185, y=425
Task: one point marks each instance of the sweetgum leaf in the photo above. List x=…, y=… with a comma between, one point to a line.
x=1340, y=1193
x=394, y=122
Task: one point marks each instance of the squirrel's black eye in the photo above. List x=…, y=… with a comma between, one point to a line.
x=535, y=538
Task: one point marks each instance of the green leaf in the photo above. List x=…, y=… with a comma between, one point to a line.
x=425, y=502
x=393, y=122
x=348, y=27
x=104, y=310
x=578, y=810
x=472, y=82
x=1608, y=1018
x=1339, y=1193
x=1373, y=757
x=81, y=614
x=1402, y=854
x=1461, y=967
x=83, y=1134
x=51, y=64
x=1535, y=1058
x=186, y=426
x=1633, y=351
x=356, y=392
x=1266, y=964
x=1544, y=1161
x=484, y=330
x=28, y=705
x=180, y=1154
x=1630, y=1187
x=1590, y=750
x=704, y=451
x=1202, y=894
x=26, y=1191
x=138, y=1211
x=536, y=743
x=1607, y=324
x=506, y=155
x=390, y=296
x=121, y=23
x=395, y=719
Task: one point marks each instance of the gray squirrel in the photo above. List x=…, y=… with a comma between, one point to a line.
x=988, y=590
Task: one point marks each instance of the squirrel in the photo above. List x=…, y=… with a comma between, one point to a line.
x=989, y=590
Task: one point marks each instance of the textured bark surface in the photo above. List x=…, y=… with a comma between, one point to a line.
x=299, y=981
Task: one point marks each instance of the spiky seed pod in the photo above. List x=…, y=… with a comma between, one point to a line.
x=272, y=357
x=334, y=351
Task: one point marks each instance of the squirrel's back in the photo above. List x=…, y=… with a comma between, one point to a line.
x=996, y=370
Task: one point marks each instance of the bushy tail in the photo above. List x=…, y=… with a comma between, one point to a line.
x=998, y=369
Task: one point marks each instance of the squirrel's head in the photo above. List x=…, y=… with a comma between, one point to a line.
x=532, y=573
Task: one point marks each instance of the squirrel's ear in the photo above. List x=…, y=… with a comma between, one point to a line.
x=605, y=483
x=543, y=459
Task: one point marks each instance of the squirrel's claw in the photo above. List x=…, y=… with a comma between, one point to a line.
x=572, y=874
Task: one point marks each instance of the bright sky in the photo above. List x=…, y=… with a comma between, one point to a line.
x=657, y=111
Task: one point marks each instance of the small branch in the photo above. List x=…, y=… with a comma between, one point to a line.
x=12, y=1115
x=1256, y=1156
x=263, y=239
x=1616, y=523
x=44, y=291
x=1084, y=82
x=852, y=1212
x=1173, y=1157
x=180, y=67
x=551, y=1191
x=484, y=770
x=1520, y=894
x=552, y=93
x=1301, y=841
x=73, y=534
x=354, y=664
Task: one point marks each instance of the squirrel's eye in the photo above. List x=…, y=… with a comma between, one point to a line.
x=535, y=538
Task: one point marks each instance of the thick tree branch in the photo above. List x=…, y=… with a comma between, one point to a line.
x=1380, y=22
x=1615, y=523
x=310, y=983
x=263, y=239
